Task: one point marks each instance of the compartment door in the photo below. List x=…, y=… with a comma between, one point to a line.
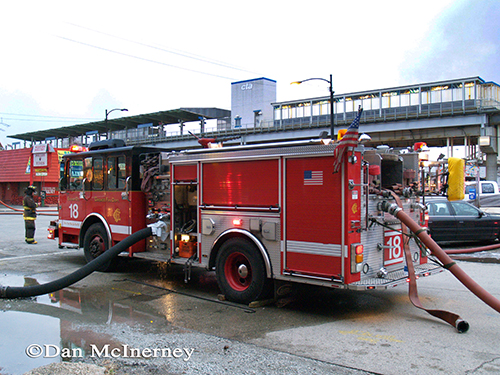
x=313, y=217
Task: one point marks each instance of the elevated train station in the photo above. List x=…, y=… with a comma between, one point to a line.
x=447, y=113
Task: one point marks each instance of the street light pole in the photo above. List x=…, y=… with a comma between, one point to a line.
x=106, y=118
x=330, y=82
x=115, y=109
x=331, y=107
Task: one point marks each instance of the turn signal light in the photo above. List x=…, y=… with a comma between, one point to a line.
x=356, y=258
x=237, y=222
x=359, y=253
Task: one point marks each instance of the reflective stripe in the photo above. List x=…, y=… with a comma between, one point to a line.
x=71, y=224
x=313, y=248
x=121, y=229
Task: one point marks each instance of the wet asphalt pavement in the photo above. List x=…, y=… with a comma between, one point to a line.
x=143, y=319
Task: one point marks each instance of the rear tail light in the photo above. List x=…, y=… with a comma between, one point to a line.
x=356, y=258
x=424, y=217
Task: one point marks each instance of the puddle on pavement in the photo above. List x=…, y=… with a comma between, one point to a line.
x=67, y=320
x=19, y=331
x=60, y=326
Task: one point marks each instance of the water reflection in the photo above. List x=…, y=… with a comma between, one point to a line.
x=19, y=330
x=61, y=326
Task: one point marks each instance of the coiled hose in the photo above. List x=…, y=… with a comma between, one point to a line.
x=63, y=282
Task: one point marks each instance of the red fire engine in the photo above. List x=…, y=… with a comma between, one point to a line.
x=257, y=215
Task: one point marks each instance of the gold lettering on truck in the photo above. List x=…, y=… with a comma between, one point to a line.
x=117, y=215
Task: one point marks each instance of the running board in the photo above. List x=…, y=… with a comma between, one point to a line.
x=159, y=257
x=69, y=245
x=395, y=278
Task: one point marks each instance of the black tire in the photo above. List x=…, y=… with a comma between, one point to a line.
x=95, y=242
x=240, y=270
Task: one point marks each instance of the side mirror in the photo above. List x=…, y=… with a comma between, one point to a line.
x=82, y=193
x=62, y=184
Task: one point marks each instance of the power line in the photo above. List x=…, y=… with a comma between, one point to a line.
x=46, y=120
x=3, y=123
x=45, y=116
x=143, y=58
x=175, y=52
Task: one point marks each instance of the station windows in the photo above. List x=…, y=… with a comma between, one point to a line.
x=237, y=122
x=417, y=97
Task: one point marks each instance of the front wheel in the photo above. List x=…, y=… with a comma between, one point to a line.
x=240, y=270
x=95, y=243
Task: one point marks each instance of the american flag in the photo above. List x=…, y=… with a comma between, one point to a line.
x=313, y=177
x=350, y=139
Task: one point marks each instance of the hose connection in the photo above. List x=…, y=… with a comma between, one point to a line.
x=461, y=325
x=159, y=229
x=391, y=208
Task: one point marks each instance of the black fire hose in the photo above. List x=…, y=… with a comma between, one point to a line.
x=448, y=263
x=63, y=282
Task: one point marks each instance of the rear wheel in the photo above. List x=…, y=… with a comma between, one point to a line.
x=95, y=243
x=241, y=273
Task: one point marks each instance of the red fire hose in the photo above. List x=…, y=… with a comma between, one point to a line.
x=18, y=211
x=448, y=263
x=12, y=208
x=473, y=250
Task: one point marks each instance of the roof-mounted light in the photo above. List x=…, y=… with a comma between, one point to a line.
x=77, y=148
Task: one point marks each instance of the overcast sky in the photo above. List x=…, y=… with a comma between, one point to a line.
x=63, y=63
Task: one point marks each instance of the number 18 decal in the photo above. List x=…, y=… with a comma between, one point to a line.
x=73, y=211
x=393, y=250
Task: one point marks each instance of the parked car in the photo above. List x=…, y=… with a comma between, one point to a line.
x=461, y=221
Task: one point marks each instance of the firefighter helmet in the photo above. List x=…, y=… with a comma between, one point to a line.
x=30, y=189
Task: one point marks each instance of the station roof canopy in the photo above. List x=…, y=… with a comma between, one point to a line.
x=173, y=116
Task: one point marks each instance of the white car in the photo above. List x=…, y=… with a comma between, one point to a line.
x=489, y=196
x=487, y=188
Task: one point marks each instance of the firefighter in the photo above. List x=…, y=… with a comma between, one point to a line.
x=29, y=214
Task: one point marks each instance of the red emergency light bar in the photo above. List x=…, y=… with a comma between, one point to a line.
x=78, y=148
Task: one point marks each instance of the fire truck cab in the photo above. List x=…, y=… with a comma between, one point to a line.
x=100, y=200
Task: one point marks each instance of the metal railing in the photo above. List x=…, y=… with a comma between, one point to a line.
x=454, y=108
x=448, y=98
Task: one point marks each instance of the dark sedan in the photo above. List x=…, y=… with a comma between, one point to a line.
x=461, y=221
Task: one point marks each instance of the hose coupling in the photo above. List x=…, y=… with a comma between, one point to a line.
x=407, y=192
x=159, y=229
x=391, y=208
x=461, y=325
x=419, y=206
